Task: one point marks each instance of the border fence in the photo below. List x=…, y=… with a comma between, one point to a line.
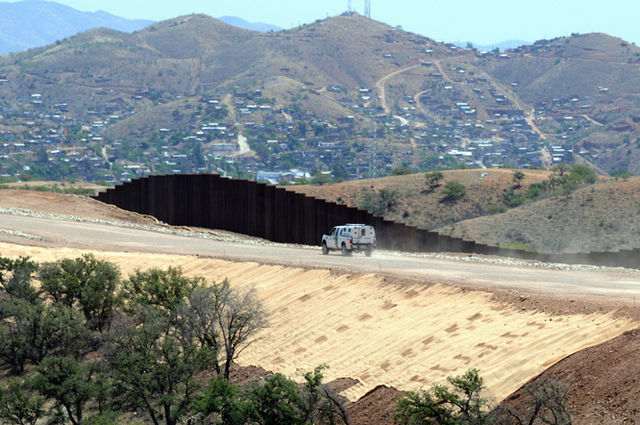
x=279, y=215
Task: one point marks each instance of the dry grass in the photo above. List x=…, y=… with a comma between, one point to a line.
x=601, y=217
x=419, y=207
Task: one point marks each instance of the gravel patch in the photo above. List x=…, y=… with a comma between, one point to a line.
x=21, y=234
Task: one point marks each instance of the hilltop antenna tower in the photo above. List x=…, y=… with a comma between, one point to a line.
x=349, y=8
x=367, y=8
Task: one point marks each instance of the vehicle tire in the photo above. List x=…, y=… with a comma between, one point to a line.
x=368, y=252
x=325, y=250
x=344, y=250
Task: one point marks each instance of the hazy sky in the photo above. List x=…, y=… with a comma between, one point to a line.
x=479, y=21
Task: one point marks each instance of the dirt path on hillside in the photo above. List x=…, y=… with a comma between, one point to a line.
x=380, y=85
x=588, y=118
x=417, y=96
x=243, y=146
x=444, y=74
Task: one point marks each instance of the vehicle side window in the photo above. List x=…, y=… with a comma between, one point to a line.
x=333, y=232
x=362, y=233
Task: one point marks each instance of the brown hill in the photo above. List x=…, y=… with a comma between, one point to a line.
x=590, y=76
x=593, y=60
x=601, y=217
x=418, y=206
x=429, y=98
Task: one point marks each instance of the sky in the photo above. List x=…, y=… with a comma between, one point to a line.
x=482, y=22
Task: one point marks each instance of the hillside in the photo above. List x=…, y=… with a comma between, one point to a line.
x=347, y=95
x=601, y=217
x=311, y=324
x=418, y=206
x=601, y=91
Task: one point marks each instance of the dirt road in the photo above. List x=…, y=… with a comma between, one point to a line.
x=380, y=84
x=457, y=269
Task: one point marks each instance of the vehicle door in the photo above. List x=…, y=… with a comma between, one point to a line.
x=332, y=240
x=347, y=234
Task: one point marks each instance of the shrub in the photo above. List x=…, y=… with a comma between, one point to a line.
x=512, y=200
x=454, y=191
x=401, y=171
x=496, y=209
x=579, y=173
x=460, y=405
x=534, y=191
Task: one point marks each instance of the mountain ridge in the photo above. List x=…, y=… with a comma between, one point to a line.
x=55, y=22
x=322, y=91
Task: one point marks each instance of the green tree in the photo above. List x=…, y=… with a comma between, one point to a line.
x=560, y=169
x=70, y=385
x=153, y=367
x=460, y=405
x=277, y=401
x=36, y=330
x=388, y=198
x=512, y=199
x=518, y=176
x=454, y=191
x=379, y=203
x=370, y=201
x=433, y=179
x=280, y=401
x=162, y=289
x=340, y=171
x=321, y=178
x=223, y=404
x=16, y=278
x=87, y=282
x=580, y=173
x=18, y=406
x=534, y=190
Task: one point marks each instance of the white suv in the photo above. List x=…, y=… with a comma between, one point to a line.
x=349, y=238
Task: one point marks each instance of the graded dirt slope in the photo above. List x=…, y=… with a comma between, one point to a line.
x=408, y=335
x=602, y=382
x=68, y=205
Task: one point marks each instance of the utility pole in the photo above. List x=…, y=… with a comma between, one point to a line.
x=374, y=148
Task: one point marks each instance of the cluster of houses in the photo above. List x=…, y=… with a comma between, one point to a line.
x=244, y=133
